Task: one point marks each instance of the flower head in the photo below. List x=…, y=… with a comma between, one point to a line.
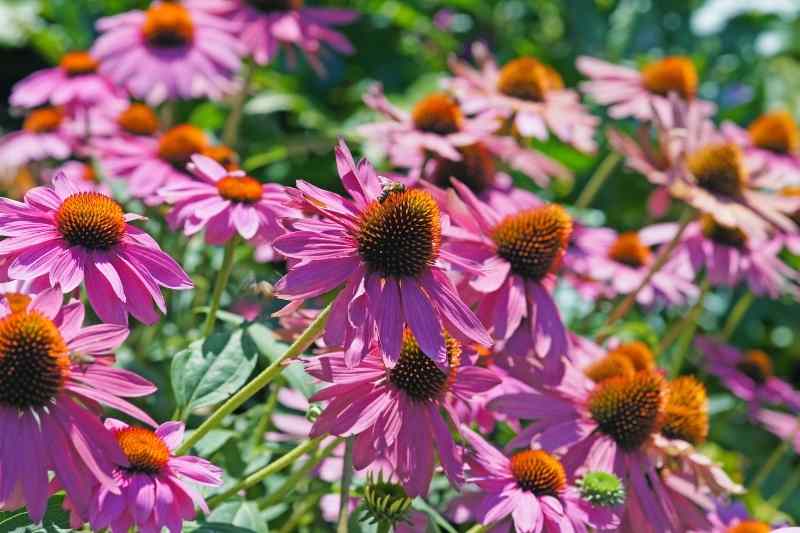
x=151, y=469
x=384, y=246
x=52, y=375
x=170, y=51
x=45, y=135
x=71, y=234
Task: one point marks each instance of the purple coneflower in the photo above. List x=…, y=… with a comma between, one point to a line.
x=45, y=134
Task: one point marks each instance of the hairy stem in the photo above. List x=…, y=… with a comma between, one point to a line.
x=219, y=286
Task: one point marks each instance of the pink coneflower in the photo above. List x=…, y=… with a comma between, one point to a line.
x=82, y=171
x=749, y=375
x=729, y=257
x=72, y=234
x=74, y=82
x=620, y=261
x=528, y=94
x=383, y=245
x=226, y=203
x=396, y=413
x=150, y=163
x=520, y=249
x=436, y=136
x=45, y=135
x=169, y=51
x=52, y=383
x=610, y=425
x=153, y=493
x=529, y=489
x=632, y=93
x=266, y=26
x=771, y=143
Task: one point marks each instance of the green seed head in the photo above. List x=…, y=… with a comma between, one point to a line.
x=601, y=489
x=385, y=502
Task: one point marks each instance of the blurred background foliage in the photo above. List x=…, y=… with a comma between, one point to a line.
x=747, y=51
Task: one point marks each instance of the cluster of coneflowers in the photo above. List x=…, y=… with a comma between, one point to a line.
x=427, y=292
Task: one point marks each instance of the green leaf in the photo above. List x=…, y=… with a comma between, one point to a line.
x=212, y=369
x=56, y=519
x=273, y=349
x=242, y=514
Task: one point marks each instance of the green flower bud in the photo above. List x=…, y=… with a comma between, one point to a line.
x=601, y=489
x=384, y=502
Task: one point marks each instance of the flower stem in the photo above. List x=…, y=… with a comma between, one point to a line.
x=266, y=415
x=219, y=286
x=258, y=383
x=477, y=528
x=683, y=331
x=774, y=458
x=230, y=132
x=347, y=479
x=661, y=259
x=597, y=180
x=300, y=511
x=263, y=473
x=786, y=490
x=737, y=313
x=276, y=496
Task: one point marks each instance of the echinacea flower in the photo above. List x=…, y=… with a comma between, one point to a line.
x=72, y=234
x=528, y=94
x=169, y=51
x=531, y=489
x=396, y=413
x=153, y=489
x=226, y=203
x=729, y=257
x=749, y=375
x=620, y=261
x=436, y=132
x=610, y=425
x=383, y=246
x=266, y=26
x=641, y=93
x=44, y=135
x=82, y=171
x=520, y=248
x=53, y=378
x=74, y=82
x=149, y=163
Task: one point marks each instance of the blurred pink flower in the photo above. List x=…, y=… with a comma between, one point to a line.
x=528, y=94
x=44, y=135
x=53, y=381
x=71, y=234
x=170, y=51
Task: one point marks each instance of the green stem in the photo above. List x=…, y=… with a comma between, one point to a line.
x=287, y=486
x=597, y=180
x=737, y=313
x=263, y=473
x=300, y=511
x=684, y=330
x=786, y=490
x=219, y=286
x=347, y=479
x=266, y=416
x=230, y=132
x=661, y=259
x=258, y=383
x=477, y=528
x=774, y=458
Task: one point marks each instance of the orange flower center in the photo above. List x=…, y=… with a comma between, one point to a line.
x=629, y=408
x=776, y=131
x=78, y=63
x=241, y=189
x=527, y=78
x=146, y=452
x=179, y=144
x=399, y=234
x=168, y=25
x=638, y=353
x=138, y=119
x=269, y=6
x=91, y=220
x=756, y=365
x=34, y=360
x=43, y=120
x=749, y=526
x=610, y=366
x=671, y=74
x=17, y=301
x=629, y=250
x=539, y=472
x=437, y=113
x=733, y=237
x=719, y=169
x=534, y=241
x=476, y=169
x=223, y=155
x=687, y=411
x=418, y=376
